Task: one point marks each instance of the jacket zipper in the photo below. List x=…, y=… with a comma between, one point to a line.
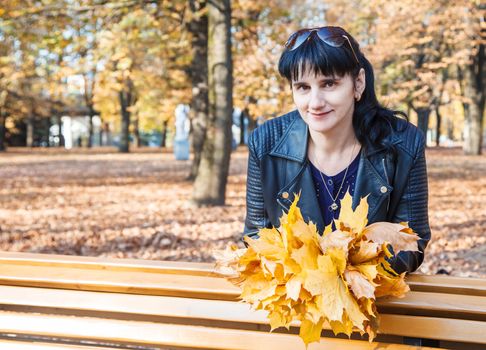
x=386, y=173
x=388, y=182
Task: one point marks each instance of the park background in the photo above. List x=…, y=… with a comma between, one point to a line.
x=88, y=97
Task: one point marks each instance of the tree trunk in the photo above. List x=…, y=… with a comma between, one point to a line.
x=450, y=129
x=437, y=127
x=136, y=132
x=90, y=126
x=163, y=139
x=198, y=27
x=100, y=133
x=474, y=85
x=30, y=131
x=47, y=131
x=242, y=127
x=125, y=102
x=212, y=175
x=423, y=119
x=60, y=135
x=124, y=146
x=3, y=119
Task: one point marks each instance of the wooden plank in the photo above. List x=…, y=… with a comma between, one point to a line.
x=447, y=284
x=192, y=311
x=148, y=305
x=417, y=282
x=428, y=327
x=427, y=304
x=436, y=304
x=118, y=281
x=34, y=345
x=96, y=263
x=415, y=303
x=147, y=333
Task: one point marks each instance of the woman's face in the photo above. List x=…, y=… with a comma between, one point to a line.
x=326, y=103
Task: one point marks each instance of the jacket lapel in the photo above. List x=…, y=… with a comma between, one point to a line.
x=371, y=183
x=292, y=148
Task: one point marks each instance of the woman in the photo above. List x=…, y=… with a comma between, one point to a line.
x=339, y=138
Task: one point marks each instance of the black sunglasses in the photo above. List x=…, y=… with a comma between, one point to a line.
x=333, y=36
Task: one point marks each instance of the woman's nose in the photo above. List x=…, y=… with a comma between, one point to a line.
x=317, y=100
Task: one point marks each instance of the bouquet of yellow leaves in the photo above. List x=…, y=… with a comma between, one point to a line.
x=334, y=279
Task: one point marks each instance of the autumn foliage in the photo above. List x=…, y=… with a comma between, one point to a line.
x=330, y=280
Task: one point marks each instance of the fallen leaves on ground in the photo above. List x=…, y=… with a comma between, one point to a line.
x=101, y=203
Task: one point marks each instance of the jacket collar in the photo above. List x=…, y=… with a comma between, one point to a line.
x=293, y=144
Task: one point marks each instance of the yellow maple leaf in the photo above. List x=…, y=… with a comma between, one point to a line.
x=278, y=319
x=400, y=237
x=258, y=287
x=365, y=251
x=335, y=239
x=305, y=233
x=327, y=283
x=227, y=260
x=293, y=286
x=359, y=284
x=312, y=312
x=294, y=213
x=344, y=326
x=270, y=243
x=391, y=286
x=268, y=266
x=368, y=306
x=356, y=219
x=310, y=331
x=338, y=257
x=368, y=270
x=306, y=256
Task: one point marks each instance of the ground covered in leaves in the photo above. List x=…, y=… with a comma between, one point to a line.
x=102, y=203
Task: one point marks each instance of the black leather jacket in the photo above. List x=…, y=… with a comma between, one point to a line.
x=397, y=186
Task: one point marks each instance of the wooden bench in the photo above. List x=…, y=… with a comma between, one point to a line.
x=66, y=302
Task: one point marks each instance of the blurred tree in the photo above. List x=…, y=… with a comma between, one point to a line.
x=467, y=33
x=210, y=183
x=419, y=50
x=135, y=53
x=198, y=72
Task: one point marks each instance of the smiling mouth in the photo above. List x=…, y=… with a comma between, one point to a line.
x=320, y=115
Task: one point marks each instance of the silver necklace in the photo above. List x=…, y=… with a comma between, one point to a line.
x=334, y=206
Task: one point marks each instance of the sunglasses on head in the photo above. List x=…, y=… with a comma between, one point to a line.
x=333, y=36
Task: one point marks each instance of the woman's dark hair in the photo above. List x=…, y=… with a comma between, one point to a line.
x=372, y=122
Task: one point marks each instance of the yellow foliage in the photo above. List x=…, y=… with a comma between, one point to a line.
x=334, y=279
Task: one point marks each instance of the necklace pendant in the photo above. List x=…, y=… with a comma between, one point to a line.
x=333, y=206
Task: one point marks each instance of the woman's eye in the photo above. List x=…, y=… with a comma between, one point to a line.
x=302, y=87
x=329, y=84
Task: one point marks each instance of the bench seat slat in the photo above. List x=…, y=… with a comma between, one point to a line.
x=118, y=281
x=422, y=283
x=463, y=306
x=201, y=287
x=96, y=263
x=209, y=311
x=169, y=334
x=35, y=345
x=425, y=304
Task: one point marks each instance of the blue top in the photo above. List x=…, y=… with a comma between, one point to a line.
x=333, y=184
